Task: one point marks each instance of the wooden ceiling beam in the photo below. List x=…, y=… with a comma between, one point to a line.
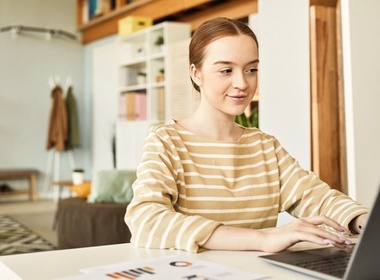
x=324, y=3
x=233, y=9
x=190, y=11
x=108, y=24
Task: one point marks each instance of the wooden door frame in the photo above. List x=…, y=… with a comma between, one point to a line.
x=327, y=96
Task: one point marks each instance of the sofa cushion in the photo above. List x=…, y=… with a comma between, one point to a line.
x=112, y=186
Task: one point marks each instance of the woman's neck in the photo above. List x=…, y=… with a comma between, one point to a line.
x=219, y=129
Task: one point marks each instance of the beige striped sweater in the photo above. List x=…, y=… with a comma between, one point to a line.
x=187, y=186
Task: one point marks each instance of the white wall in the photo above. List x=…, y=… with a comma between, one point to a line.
x=361, y=25
x=25, y=64
x=284, y=85
x=105, y=81
x=282, y=28
x=285, y=74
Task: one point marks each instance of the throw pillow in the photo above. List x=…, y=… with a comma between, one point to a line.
x=112, y=186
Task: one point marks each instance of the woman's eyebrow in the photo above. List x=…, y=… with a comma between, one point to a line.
x=230, y=62
x=254, y=61
x=223, y=62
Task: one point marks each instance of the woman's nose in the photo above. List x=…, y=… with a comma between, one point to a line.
x=239, y=81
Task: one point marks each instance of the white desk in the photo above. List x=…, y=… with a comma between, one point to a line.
x=62, y=263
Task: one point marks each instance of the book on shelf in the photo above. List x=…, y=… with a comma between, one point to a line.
x=161, y=104
x=133, y=106
x=130, y=106
x=94, y=8
x=140, y=103
x=122, y=112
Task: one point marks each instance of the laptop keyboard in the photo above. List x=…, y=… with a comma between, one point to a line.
x=332, y=265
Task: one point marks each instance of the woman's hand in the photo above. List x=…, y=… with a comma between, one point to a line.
x=279, y=238
x=305, y=229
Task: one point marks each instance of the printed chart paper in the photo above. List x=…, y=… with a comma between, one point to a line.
x=172, y=267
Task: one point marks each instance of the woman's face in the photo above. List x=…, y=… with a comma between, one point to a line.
x=228, y=76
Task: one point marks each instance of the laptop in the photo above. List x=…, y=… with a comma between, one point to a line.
x=360, y=262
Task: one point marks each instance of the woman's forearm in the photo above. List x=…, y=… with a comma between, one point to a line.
x=233, y=238
x=278, y=238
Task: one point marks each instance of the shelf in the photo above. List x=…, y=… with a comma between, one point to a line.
x=192, y=12
x=127, y=89
x=14, y=192
x=152, y=102
x=154, y=62
x=158, y=55
x=157, y=85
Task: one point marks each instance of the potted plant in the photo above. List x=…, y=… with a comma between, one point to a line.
x=141, y=78
x=159, y=42
x=251, y=121
x=161, y=75
x=140, y=51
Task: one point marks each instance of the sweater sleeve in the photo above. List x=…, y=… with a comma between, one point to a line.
x=303, y=194
x=152, y=216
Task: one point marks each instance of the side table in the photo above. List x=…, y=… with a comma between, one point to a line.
x=61, y=185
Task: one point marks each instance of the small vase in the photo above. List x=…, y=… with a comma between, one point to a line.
x=78, y=177
x=141, y=80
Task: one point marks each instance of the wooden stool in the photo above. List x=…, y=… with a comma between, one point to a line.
x=29, y=174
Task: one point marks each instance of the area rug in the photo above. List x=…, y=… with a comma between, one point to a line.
x=15, y=238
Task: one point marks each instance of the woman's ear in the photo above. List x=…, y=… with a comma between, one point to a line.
x=195, y=75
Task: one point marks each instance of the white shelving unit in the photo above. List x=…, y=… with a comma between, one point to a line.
x=150, y=100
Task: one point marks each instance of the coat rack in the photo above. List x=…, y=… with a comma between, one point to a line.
x=54, y=156
x=15, y=30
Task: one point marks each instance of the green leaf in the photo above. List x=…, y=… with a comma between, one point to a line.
x=251, y=121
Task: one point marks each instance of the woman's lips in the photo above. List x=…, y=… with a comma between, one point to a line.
x=238, y=98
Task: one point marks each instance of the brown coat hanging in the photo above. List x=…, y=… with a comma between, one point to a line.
x=57, y=133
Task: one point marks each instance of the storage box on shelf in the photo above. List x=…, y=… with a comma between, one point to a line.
x=132, y=24
x=146, y=85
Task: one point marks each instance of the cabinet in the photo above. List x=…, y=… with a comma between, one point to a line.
x=154, y=85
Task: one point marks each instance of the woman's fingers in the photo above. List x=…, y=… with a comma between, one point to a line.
x=306, y=229
x=323, y=220
x=312, y=227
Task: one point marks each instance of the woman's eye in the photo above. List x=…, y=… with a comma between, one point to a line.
x=225, y=71
x=252, y=70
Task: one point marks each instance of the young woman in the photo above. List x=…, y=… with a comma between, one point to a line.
x=206, y=182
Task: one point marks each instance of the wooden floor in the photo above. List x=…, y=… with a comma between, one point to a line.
x=38, y=215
